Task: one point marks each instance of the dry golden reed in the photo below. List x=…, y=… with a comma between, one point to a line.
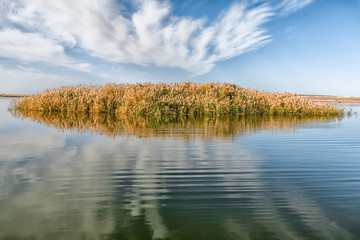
x=171, y=100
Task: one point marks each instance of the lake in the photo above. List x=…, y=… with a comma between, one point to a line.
x=251, y=178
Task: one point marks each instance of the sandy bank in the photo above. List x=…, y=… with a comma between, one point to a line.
x=331, y=99
x=14, y=95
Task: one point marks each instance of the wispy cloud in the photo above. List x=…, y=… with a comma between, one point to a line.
x=150, y=35
x=287, y=7
x=34, y=47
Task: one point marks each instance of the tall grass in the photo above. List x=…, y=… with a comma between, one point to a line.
x=172, y=100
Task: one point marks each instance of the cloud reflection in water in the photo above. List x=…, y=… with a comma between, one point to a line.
x=183, y=179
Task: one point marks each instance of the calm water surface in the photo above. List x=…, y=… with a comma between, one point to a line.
x=263, y=179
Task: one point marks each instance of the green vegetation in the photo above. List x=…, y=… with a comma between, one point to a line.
x=171, y=100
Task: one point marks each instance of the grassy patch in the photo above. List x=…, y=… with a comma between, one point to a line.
x=171, y=100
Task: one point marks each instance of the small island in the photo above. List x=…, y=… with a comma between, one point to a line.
x=174, y=100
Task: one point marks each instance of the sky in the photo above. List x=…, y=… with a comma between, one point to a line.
x=297, y=46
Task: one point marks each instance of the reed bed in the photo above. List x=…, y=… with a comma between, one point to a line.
x=171, y=100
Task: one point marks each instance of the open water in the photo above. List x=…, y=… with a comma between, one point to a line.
x=225, y=179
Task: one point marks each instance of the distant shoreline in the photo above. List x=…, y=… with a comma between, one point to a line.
x=15, y=95
x=330, y=99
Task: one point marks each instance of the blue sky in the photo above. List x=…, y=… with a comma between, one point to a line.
x=298, y=46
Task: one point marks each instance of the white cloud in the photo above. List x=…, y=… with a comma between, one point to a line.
x=150, y=35
x=290, y=6
x=34, y=47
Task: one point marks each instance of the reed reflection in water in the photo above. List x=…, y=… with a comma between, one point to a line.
x=178, y=128
x=187, y=179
